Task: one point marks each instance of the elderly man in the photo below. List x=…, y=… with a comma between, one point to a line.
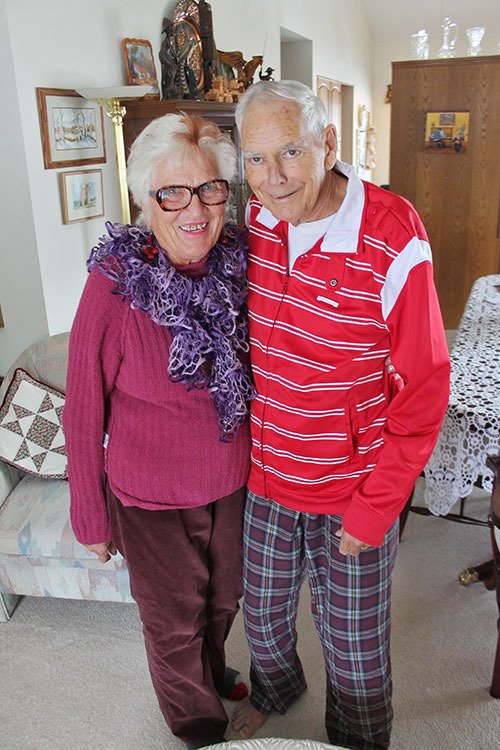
x=352, y=373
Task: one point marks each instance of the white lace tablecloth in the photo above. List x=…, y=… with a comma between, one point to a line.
x=471, y=428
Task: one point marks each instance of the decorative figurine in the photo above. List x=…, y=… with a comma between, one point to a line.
x=207, y=44
x=178, y=80
x=420, y=45
x=267, y=76
x=449, y=38
x=170, y=80
x=188, y=80
x=245, y=69
x=371, y=151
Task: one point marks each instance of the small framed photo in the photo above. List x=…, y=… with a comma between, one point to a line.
x=81, y=195
x=447, y=132
x=140, y=64
x=72, y=129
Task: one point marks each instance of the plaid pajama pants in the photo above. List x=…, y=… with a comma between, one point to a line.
x=350, y=602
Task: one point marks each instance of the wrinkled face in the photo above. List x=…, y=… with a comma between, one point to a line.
x=187, y=235
x=284, y=166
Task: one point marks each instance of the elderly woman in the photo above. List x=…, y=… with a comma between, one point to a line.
x=156, y=414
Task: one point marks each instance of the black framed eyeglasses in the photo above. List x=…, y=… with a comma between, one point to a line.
x=177, y=197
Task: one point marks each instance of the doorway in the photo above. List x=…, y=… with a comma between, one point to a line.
x=338, y=100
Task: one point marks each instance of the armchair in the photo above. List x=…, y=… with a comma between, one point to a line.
x=39, y=555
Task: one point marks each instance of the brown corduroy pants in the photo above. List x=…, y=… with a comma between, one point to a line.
x=185, y=570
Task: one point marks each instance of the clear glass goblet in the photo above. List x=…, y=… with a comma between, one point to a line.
x=475, y=37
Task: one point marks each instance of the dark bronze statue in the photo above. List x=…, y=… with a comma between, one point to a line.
x=170, y=78
x=190, y=87
x=208, y=44
x=178, y=80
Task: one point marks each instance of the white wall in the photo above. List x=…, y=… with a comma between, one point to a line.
x=342, y=43
x=296, y=62
x=60, y=45
x=21, y=293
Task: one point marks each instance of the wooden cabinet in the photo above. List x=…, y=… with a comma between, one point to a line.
x=140, y=113
x=456, y=194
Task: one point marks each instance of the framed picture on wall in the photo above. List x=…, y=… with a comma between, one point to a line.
x=140, y=64
x=447, y=132
x=71, y=127
x=81, y=195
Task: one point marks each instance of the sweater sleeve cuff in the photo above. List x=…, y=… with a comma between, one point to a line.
x=366, y=525
x=94, y=533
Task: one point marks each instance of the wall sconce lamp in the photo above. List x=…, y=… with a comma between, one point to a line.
x=111, y=99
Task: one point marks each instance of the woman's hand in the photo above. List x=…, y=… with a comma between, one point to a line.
x=103, y=550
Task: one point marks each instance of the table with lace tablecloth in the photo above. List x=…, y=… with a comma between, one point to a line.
x=471, y=427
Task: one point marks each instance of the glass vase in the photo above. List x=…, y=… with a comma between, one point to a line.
x=475, y=37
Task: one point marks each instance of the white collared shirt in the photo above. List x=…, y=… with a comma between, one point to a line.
x=341, y=233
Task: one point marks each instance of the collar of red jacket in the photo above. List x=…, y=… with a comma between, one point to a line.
x=344, y=231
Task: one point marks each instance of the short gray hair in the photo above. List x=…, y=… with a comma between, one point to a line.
x=176, y=136
x=313, y=112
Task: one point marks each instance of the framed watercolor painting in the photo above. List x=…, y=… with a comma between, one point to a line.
x=72, y=129
x=81, y=195
x=447, y=132
x=140, y=64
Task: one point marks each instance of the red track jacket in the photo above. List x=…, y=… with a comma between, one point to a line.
x=333, y=431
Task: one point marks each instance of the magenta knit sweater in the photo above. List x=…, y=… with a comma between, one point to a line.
x=163, y=449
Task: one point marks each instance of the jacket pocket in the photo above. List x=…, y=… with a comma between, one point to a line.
x=393, y=382
x=351, y=426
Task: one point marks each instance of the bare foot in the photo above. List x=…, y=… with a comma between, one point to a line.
x=246, y=719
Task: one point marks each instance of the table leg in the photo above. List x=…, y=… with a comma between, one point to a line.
x=484, y=572
x=495, y=681
x=403, y=516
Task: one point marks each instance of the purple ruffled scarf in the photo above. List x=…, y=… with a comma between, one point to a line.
x=205, y=315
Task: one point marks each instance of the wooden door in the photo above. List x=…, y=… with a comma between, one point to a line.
x=330, y=93
x=456, y=194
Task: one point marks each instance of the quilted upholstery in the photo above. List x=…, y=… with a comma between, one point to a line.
x=35, y=524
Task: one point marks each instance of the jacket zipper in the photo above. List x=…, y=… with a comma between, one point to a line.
x=284, y=291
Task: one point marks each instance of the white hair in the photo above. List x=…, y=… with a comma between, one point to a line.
x=176, y=137
x=313, y=112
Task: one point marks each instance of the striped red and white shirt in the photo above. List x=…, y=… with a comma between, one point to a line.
x=331, y=430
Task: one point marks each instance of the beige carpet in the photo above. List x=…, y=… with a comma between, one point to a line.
x=73, y=675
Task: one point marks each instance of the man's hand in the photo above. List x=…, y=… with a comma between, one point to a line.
x=349, y=545
x=103, y=550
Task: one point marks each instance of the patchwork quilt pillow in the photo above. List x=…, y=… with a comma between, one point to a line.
x=31, y=434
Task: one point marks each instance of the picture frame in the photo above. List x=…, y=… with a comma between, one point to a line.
x=72, y=129
x=447, y=132
x=140, y=64
x=82, y=195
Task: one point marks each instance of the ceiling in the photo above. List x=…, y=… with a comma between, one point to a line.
x=394, y=17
